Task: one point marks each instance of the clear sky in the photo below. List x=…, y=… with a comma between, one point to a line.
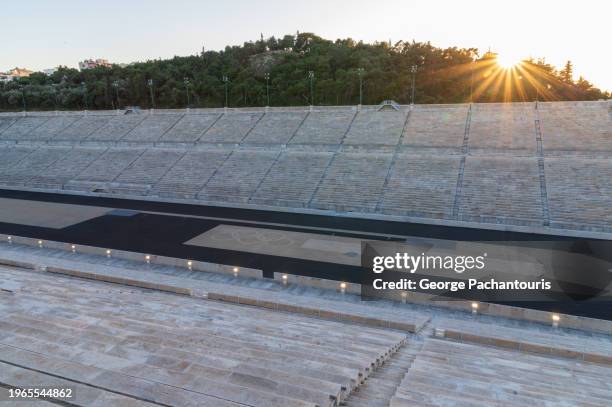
x=39, y=34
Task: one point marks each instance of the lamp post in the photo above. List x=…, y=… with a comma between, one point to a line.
x=116, y=86
x=84, y=86
x=472, y=80
x=360, y=73
x=225, y=80
x=23, y=99
x=311, y=76
x=267, y=77
x=413, y=70
x=150, y=83
x=186, y=81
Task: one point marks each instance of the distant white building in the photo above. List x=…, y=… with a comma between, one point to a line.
x=94, y=63
x=15, y=73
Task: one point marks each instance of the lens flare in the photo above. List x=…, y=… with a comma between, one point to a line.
x=508, y=61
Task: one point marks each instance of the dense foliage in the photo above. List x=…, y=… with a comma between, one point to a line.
x=443, y=76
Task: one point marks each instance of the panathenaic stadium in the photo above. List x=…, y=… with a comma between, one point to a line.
x=206, y=257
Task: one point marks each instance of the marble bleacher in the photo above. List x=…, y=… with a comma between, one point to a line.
x=66, y=168
x=446, y=373
x=353, y=182
x=82, y=128
x=6, y=122
x=11, y=156
x=104, y=169
x=50, y=128
x=436, y=127
x=503, y=128
x=293, y=179
x=231, y=128
x=376, y=127
x=189, y=175
x=322, y=127
x=116, y=128
x=152, y=128
x=146, y=346
x=576, y=129
x=146, y=171
x=421, y=185
x=275, y=128
x=239, y=176
x=501, y=189
x=580, y=192
x=504, y=180
x=189, y=128
x=22, y=126
x=32, y=165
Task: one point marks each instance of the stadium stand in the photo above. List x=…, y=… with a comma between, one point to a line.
x=22, y=126
x=275, y=128
x=165, y=335
x=352, y=182
x=448, y=373
x=421, y=185
x=580, y=192
x=376, y=127
x=293, y=179
x=146, y=171
x=508, y=193
x=189, y=128
x=116, y=128
x=577, y=128
x=50, y=128
x=189, y=175
x=82, y=128
x=151, y=128
x=516, y=164
x=506, y=128
x=231, y=128
x=324, y=127
x=66, y=168
x=104, y=170
x=31, y=165
x=436, y=126
x=239, y=176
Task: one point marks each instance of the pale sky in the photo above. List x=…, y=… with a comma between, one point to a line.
x=40, y=34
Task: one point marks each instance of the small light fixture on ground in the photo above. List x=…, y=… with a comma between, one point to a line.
x=343, y=287
x=474, y=308
x=235, y=270
x=148, y=259
x=555, y=320
x=40, y=243
x=189, y=264
x=108, y=253
x=73, y=248
x=10, y=239
x=285, y=277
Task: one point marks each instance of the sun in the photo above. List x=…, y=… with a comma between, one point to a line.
x=507, y=61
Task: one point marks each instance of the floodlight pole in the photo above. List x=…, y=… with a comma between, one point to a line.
x=23, y=99
x=150, y=82
x=413, y=69
x=267, y=77
x=311, y=76
x=186, y=80
x=116, y=86
x=84, y=85
x=360, y=72
x=472, y=82
x=225, y=80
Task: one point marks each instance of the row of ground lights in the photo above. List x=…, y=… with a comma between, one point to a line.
x=554, y=317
